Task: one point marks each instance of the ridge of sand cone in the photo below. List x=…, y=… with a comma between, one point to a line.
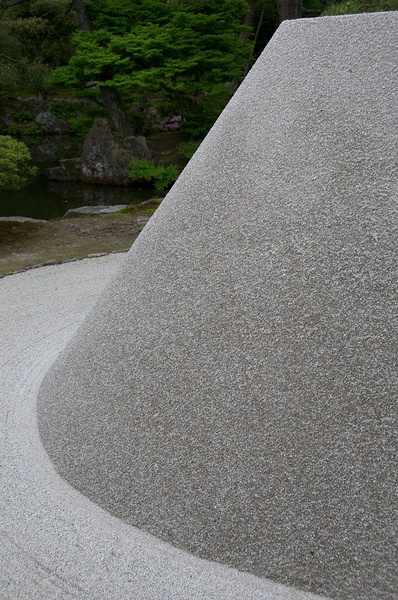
x=233, y=390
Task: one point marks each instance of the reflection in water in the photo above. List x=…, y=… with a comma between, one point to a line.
x=43, y=199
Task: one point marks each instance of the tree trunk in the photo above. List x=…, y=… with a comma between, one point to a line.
x=289, y=9
x=117, y=117
x=110, y=97
x=248, y=20
x=83, y=18
x=10, y=3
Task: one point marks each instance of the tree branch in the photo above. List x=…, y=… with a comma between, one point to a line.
x=11, y=3
x=9, y=58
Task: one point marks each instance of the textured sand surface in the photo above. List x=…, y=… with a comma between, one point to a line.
x=54, y=543
x=233, y=393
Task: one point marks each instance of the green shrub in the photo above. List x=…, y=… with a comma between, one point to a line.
x=188, y=149
x=32, y=130
x=66, y=109
x=21, y=129
x=349, y=7
x=23, y=115
x=14, y=163
x=82, y=123
x=79, y=116
x=14, y=129
x=160, y=176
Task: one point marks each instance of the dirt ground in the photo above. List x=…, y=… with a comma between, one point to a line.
x=27, y=244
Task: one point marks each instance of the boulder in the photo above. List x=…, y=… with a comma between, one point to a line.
x=106, y=159
x=53, y=147
x=51, y=123
x=5, y=121
x=93, y=210
x=34, y=105
x=22, y=220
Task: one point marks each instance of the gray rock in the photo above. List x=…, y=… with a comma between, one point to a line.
x=47, y=263
x=53, y=147
x=33, y=105
x=234, y=390
x=51, y=123
x=105, y=159
x=93, y=210
x=22, y=219
x=5, y=121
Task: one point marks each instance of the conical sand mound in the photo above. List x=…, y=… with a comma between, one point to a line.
x=232, y=392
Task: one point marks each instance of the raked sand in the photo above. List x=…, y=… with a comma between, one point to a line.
x=55, y=543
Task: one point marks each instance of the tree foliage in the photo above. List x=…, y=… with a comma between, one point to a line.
x=348, y=7
x=14, y=163
x=161, y=177
x=34, y=38
x=180, y=50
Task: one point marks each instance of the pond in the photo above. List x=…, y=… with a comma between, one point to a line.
x=44, y=199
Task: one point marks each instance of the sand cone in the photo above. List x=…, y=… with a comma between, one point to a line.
x=233, y=391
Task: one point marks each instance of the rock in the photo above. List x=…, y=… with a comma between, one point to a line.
x=33, y=105
x=5, y=121
x=22, y=219
x=93, y=210
x=53, y=147
x=138, y=147
x=51, y=123
x=47, y=263
x=106, y=159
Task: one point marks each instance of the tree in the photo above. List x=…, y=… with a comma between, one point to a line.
x=110, y=97
x=14, y=163
x=289, y=9
x=185, y=51
x=248, y=20
x=34, y=38
x=347, y=7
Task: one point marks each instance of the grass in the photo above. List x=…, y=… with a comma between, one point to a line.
x=26, y=244
x=146, y=209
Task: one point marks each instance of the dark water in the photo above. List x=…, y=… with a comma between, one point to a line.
x=45, y=199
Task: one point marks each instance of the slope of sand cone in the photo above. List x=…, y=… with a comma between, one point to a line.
x=232, y=392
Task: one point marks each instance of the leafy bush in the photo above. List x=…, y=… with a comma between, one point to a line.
x=349, y=7
x=82, y=123
x=160, y=176
x=31, y=130
x=79, y=115
x=23, y=115
x=65, y=109
x=14, y=163
x=188, y=149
